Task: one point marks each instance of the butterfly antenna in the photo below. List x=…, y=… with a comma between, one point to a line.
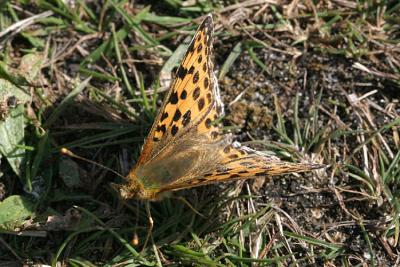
x=69, y=153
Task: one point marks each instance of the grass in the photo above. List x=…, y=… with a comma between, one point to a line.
x=311, y=82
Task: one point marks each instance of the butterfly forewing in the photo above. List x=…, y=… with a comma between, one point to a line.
x=193, y=97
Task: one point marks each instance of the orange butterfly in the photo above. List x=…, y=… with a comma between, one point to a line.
x=184, y=148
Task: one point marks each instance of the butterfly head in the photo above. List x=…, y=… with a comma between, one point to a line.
x=134, y=189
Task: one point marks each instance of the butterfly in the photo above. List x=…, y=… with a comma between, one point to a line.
x=185, y=147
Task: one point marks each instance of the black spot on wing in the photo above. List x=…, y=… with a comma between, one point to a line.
x=206, y=82
x=164, y=116
x=205, y=67
x=209, y=97
x=161, y=128
x=201, y=103
x=182, y=71
x=177, y=115
x=183, y=94
x=196, y=93
x=191, y=70
x=208, y=123
x=173, y=99
x=174, y=130
x=196, y=77
x=199, y=48
x=186, y=118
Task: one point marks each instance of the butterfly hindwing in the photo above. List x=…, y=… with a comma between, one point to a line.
x=238, y=163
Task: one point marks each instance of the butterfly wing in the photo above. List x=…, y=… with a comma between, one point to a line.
x=192, y=98
x=238, y=163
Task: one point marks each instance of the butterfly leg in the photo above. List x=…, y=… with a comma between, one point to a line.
x=151, y=223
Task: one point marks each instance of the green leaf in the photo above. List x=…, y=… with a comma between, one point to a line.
x=12, y=138
x=7, y=89
x=14, y=210
x=13, y=78
x=12, y=123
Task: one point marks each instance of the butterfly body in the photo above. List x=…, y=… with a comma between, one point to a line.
x=185, y=148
